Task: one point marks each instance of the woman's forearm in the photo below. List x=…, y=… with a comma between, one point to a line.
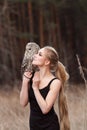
x=40, y=100
x=24, y=93
x=25, y=87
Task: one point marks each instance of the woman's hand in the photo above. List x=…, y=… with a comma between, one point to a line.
x=27, y=76
x=36, y=80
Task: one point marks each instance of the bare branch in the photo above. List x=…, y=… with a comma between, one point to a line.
x=81, y=70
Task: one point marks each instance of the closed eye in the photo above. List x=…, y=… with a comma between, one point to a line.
x=40, y=54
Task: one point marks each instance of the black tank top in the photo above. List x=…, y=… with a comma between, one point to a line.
x=38, y=120
x=34, y=107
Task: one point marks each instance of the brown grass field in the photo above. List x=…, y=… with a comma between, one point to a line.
x=14, y=117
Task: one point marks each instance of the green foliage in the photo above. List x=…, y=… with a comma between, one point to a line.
x=21, y=1
x=76, y=9
x=81, y=16
x=25, y=35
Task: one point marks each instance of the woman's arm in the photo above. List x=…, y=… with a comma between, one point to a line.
x=47, y=103
x=24, y=89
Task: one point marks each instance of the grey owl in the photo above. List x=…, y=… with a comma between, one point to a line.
x=31, y=49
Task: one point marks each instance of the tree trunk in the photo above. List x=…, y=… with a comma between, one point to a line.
x=53, y=26
x=19, y=28
x=31, y=21
x=11, y=44
x=41, y=28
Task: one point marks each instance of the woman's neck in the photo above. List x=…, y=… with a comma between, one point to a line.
x=45, y=72
x=45, y=77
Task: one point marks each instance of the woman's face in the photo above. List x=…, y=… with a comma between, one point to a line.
x=40, y=59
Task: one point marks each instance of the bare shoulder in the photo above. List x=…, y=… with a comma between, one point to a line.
x=56, y=84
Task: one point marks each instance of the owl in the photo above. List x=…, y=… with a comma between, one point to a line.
x=31, y=49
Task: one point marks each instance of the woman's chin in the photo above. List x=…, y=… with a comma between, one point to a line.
x=33, y=63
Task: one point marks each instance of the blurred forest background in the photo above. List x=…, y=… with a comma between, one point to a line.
x=58, y=23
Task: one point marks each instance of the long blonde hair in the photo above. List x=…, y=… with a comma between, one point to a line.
x=60, y=72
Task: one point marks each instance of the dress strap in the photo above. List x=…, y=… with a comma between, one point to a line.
x=51, y=81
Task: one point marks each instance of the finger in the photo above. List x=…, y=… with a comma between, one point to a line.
x=28, y=73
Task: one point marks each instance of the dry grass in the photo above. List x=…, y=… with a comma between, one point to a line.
x=77, y=102
x=14, y=117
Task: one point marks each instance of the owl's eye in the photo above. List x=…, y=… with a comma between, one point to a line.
x=29, y=48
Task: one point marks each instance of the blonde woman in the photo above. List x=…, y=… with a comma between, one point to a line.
x=42, y=88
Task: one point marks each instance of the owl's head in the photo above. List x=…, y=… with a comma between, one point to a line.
x=31, y=49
